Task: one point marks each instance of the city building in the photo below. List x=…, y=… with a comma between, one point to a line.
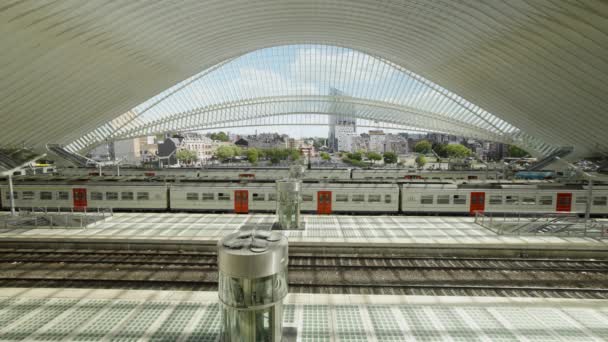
x=341, y=124
x=129, y=151
x=268, y=140
x=497, y=151
x=395, y=143
x=203, y=146
x=356, y=142
x=377, y=139
x=148, y=149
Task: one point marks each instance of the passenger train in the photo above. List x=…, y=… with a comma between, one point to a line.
x=321, y=197
x=271, y=173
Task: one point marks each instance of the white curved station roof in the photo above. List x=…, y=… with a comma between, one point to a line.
x=529, y=70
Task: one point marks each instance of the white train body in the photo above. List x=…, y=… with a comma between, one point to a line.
x=508, y=198
x=261, y=197
x=115, y=195
x=439, y=175
x=211, y=173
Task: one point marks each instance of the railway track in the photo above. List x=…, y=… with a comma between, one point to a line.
x=401, y=289
x=308, y=274
x=208, y=261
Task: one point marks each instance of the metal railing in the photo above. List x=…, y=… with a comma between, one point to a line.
x=55, y=217
x=546, y=224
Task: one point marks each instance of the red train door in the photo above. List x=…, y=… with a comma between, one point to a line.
x=80, y=198
x=324, y=202
x=564, y=202
x=478, y=201
x=241, y=201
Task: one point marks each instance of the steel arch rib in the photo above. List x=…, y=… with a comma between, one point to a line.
x=379, y=111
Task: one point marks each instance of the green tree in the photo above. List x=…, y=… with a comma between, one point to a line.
x=294, y=154
x=458, y=151
x=440, y=149
x=420, y=161
x=390, y=157
x=221, y=136
x=517, y=152
x=186, y=156
x=423, y=146
x=355, y=156
x=325, y=156
x=252, y=155
x=225, y=153
x=374, y=156
x=237, y=150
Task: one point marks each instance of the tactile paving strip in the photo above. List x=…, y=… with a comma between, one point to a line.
x=137, y=319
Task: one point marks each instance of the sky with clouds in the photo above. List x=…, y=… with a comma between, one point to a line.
x=295, y=70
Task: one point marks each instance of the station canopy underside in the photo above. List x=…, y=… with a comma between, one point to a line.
x=532, y=73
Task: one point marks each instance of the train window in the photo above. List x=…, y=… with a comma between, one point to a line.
x=358, y=198
x=15, y=195
x=496, y=199
x=545, y=200
x=208, y=196
x=259, y=197
x=581, y=199
x=272, y=197
x=126, y=196
x=388, y=198
x=600, y=200
x=63, y=195
x=192, y=196
x=341, y=198
x=96, y=196
x=28, y=195
x=512, y=199
x=426, y=199
x=223, y=196
x=528, y=200
x=143, y=196
x=306, y=198
x=46, y=195
x=443, y=199
x=373, y=198
x=111, y=196
x=460, y=199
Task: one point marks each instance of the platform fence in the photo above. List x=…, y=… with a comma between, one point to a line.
x=547, y=224
x=55, y=217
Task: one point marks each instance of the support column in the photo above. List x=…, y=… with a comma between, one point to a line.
x=589, y=200
x=11, y=194
x=288, y=203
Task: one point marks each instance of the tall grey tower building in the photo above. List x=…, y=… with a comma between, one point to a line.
x=341, y=123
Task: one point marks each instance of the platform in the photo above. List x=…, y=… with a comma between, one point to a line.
x=187, y=231
x=138, y=315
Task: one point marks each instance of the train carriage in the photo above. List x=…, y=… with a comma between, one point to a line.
x=223, y=196
x=321, y=198
x=216, y=173
x=86, y=194
x=507, y=198
x=439, y=175
x=327, y=198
